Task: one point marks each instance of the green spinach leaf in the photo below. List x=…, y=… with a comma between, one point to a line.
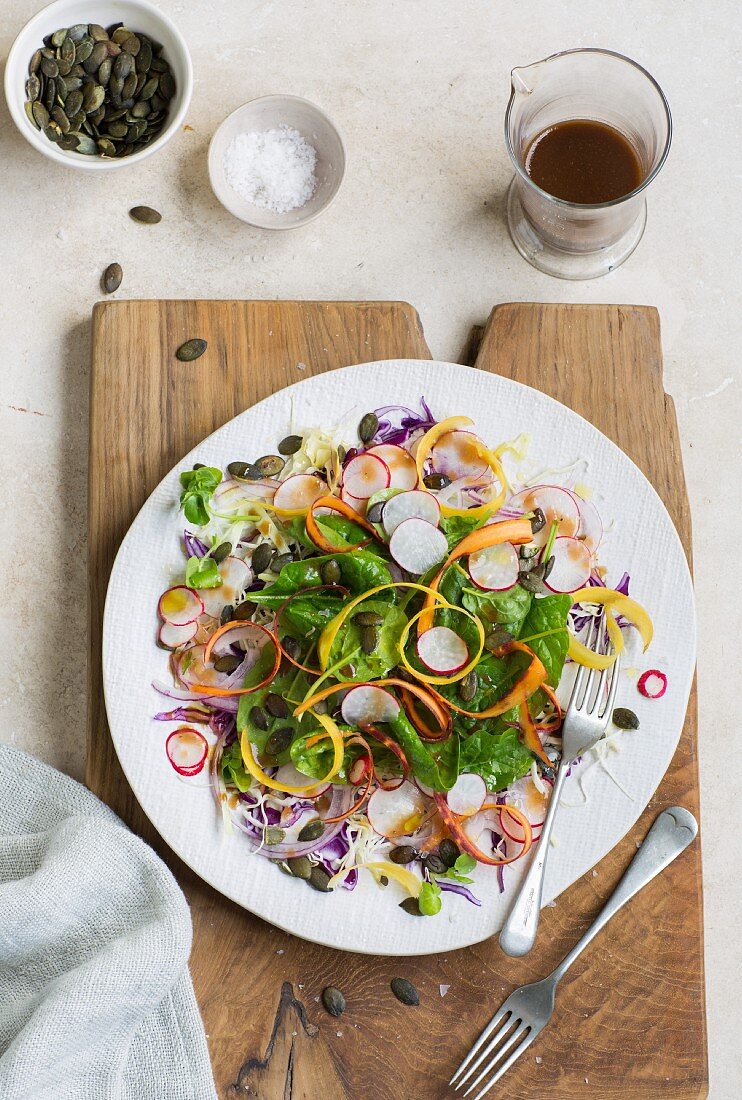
x=434, y=764
x=369, y=666
x=496, y=752
x=455, y=528
x=508, y=610
x=544, y=630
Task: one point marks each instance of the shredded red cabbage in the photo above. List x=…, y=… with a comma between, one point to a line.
x=398, y=422
x=194, y=546
x=457, y=888
x=184, y=714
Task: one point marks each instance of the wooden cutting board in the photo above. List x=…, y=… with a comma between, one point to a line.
x=630, y=1022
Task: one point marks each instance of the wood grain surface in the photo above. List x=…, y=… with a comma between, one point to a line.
x=629, y=1023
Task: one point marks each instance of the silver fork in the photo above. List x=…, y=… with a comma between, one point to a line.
x=528, y=1010
x=585, y=722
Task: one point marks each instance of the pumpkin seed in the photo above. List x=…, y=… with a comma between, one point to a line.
x=279, y=560
x=369, y=639
x=121, y=34
x=40, y=114
x=538, y=520
x=261, y=557
x=92, y=97
x=333, y=1000
x=434, y=863
x=104, y=72
x=49, y=66
x=468, y=686
x=140, y=109
x=625, y=719
x=405, y=991
x=49, y=94
x=33, y=87
x=149, y=88
x=83, y=49
x=373, y=515
x=244, y=611
x=58, y=37
x=222, y=551
x=319, y=879
x=118, y=130
x=65, y=67
x=279, y=740
x=259, y=718
x=411, y=906
x=73, y=103
x=290, y=445
x=549, y=566
x=192, y=349
x=532, y=580
x=167, y=85
x=300, y=867
x=291, y=647
x=144, y=58
x=145, y=214
x=85, y=144
x=34, y=63
x=269, y=465
x=276, y=706
x=53, y=132
x=272, y=834
x=368, y=427
x=330, y=572
x=449, y=851
x=403, y=853
x=112, y=277
x=229, y=663
x=496, y=639
x=368, y=618
x=132, y=45
x=28, y=106
x=97, y=33
x=123, y=66
x=78, y=32
x=436, y=481
x=129, y=88
x=228, y=609
x=282, y=865
x=313, y=830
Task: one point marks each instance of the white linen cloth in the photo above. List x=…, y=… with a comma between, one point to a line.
x=96, y=1002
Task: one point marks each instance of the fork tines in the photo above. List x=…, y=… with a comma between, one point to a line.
x=513, y=1032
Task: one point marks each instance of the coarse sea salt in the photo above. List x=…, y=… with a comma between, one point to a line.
x=273, y=169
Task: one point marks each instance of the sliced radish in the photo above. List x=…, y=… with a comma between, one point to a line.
x=414, y=504
x=180, y=605
x=495, y=568
x=171, y=637
x=401, y=465
x=288, y=776
x=398, y=812
x=236, y=575
x=652, y=684
x=359, y=769
x=457, y=453
x=234, y=494
x=359, y=504
x=441, y=650
x=190, y=668
x=424, y=788
x=526, y=797
x=467, y=794
x=590, y=530
x=365, y=475
x=187, y=750
x=417, y=545
x=299, y=491
x=572, y=564
x=557, y=504
x=366, y=704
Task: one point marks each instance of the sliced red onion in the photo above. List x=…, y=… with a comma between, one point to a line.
x=457, y=888
x=342, y=797
x=183, y=695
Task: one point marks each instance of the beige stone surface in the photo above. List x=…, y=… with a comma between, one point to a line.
x=418, y=88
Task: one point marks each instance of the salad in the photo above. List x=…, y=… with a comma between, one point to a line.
x=366, y=645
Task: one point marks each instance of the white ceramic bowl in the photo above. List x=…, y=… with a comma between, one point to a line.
x=268, y=113
x=138, y=15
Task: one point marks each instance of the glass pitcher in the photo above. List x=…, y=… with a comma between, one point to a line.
x=576, y=240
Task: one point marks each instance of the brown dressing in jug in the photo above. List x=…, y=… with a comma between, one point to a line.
x=583, y=161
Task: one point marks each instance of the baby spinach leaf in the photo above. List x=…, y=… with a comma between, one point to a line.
x=434, y=764
x=505, y=609
x=496, y=752
x=233, y=769
x=455, y=528
x=360, y=571
x=544, y=630
x=368, y=666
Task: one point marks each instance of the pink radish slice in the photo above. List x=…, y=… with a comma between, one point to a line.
x=236, y=575
x=299, y=491
x=401, y=465
x=557, y=504
x=180, y=605
x=572, y=563
x=288, y=776
x=358, y=770
x=232, y=494
x=527, y=798
x=190, y=668
x=428, y=791
x=355, y=502
x=366, y=704
x=417, y=545
x=171, y=636
x=249, y=636
x=414, y=504
x=495, y=568
x=187, y=750
x=467, y=794
x=398, y=812
x=441, y=650
x=591, y=525
x=457, y=453
x=365, y=475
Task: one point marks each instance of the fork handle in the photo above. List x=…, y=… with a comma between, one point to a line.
x=673, y=830
x=518, y=933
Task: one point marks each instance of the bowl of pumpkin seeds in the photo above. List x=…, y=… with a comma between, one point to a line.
x=98, y=85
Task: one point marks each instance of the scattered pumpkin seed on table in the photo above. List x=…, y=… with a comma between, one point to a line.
x=405, y=991
x=107, y=90
x=112, y=277
x=145, y=214
x=333, y=1000
x=192, y=349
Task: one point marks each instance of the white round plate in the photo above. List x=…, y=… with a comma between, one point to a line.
x=602, y=802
